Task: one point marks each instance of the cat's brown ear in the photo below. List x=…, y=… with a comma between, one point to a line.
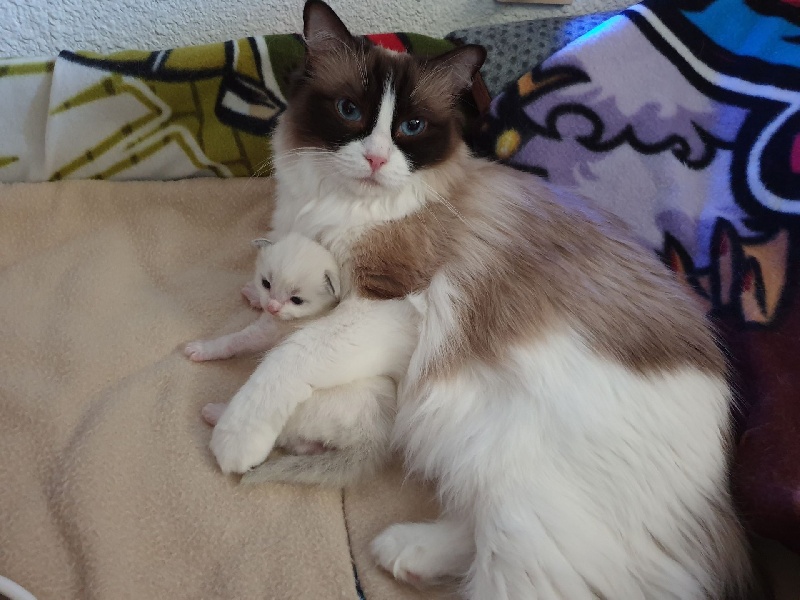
x=322, y=29
x=459, y=65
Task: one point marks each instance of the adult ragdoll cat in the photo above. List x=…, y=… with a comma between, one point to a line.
x=340, y=434
x=566, y=394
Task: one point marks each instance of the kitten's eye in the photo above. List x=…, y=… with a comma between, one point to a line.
x=265, y=283
x=412, y=126
x=348, y=110
x=296, y=300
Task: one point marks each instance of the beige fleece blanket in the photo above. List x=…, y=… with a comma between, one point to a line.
x=107, y=487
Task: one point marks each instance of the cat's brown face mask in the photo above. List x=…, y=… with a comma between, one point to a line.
x=383, y=114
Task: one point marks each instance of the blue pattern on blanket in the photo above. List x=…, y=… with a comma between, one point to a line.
x=683, y=118
x=731, y=26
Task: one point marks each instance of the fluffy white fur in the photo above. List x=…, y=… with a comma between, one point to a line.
x=426, y=553
x=294, y=266
x=337, y=437
x=563, y=476
x=323, y=196
x=518, y=474
x=361, y=339
x=340, y=434
x=557, y=480
x=333, y=196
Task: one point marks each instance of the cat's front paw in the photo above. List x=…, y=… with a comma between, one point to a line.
x=238, y=451
x=239, y=441
x=199, y=351
x=250, y=292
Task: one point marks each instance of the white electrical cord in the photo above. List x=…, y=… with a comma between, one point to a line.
x=14, y=591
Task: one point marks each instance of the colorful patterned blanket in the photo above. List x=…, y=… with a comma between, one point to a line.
x=683, y=117
x=185, y=112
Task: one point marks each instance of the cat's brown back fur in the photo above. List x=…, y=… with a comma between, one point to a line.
x=527, y=260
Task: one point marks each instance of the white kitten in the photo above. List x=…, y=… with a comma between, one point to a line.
x=341, y=434
x=295, y=278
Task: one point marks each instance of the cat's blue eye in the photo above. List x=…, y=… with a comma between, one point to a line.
x=296, y=300
x=348, y=109
x=412, y=126
x=265, y=283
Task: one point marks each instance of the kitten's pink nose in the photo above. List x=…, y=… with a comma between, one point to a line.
x=375, y=161
x=274, y=307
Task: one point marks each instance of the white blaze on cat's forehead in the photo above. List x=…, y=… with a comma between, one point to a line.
x=379, y=140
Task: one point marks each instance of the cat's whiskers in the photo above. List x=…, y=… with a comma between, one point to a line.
x=419, y=214
x=267, y=164
x=291, y=156
x=259, y=170
x=308, y=153
x=317, y=157
x=264, y=164
x=444, y=201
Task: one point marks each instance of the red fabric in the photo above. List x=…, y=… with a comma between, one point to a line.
x=390, y=41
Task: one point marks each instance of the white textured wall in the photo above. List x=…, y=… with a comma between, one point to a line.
x=43, y=27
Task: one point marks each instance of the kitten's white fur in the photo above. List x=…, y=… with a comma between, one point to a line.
x=588, y=480
x=347, y=428
x=295, y=266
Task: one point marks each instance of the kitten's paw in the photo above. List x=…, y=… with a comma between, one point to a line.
x=212, y=412
x=199, y=351
x=250, y=293
x=411, y=553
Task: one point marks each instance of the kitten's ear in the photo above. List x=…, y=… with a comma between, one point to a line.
x=322, y=29
x=460, y=65
x=332, y=283
x=261, y=243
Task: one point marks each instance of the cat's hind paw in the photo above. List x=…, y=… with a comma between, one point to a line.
x=423, y=553
x=404, y=555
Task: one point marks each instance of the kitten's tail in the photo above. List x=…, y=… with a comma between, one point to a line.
x=335, y=468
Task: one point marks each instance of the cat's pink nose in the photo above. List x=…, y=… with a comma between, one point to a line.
x=375, y=161
x=274, y=307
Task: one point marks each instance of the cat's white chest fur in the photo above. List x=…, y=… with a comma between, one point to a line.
x=317, y=207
